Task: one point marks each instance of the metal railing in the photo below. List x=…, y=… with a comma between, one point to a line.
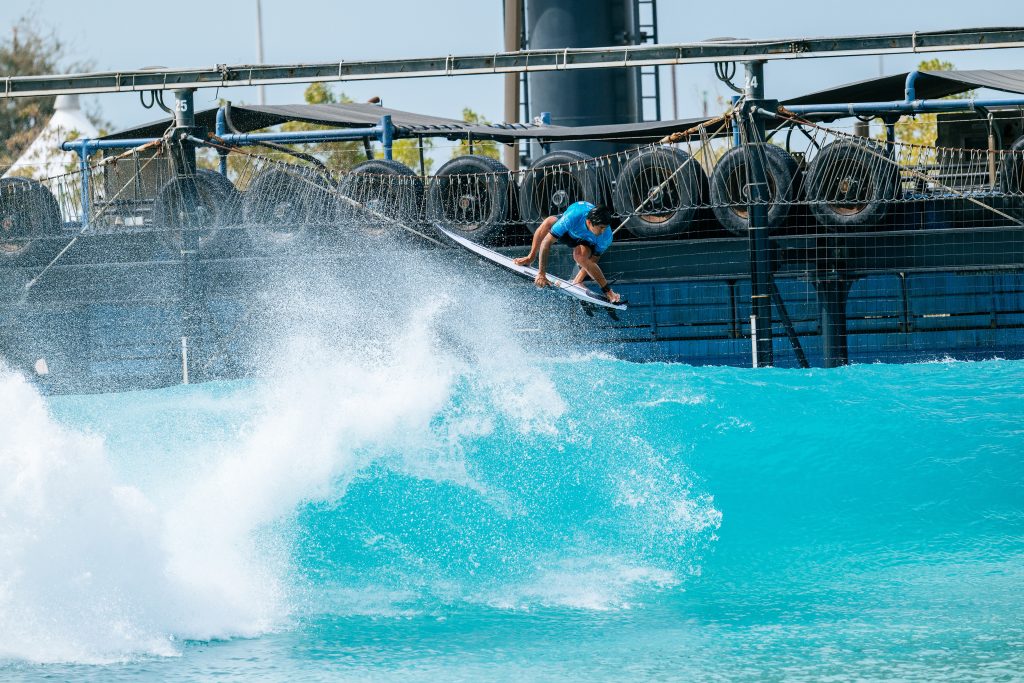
x=224, y=76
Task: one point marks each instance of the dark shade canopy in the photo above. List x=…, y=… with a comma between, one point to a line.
x=929, y=85
x=646, y=131
x=248, y=118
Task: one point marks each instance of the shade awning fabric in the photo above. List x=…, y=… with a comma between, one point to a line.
x=929, y=85
x=249, y=118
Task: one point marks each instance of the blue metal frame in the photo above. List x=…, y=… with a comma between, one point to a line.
x=909, y=105
x=384, y=132
x=905, y=107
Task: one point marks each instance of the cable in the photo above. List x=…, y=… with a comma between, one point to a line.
x=726, y=71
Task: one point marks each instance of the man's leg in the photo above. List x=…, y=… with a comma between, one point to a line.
x=543, y=230
x=582, y=275
x=585, y=259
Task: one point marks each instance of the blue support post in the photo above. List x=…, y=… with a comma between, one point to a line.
x=220, y=130
x=387, y=135
x=762, y=351
x=193, y=271
x=832, y=293
x=735, y=129
x=545, y=120
x=910, y=89
x=83, y=166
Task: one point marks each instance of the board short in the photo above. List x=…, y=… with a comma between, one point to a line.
x=572, y=242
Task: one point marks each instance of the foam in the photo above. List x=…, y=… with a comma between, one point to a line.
x=95, y=568
x=594, y=583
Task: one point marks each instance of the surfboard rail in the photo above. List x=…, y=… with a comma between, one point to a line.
x=560, y=285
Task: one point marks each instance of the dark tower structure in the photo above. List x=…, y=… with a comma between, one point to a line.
x=592, y=97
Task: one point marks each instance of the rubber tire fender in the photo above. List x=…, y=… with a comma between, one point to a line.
x=555, y=181
x=673, y=178
x=283, y=202
x=384, y=186
x=218, y=207
x=28, y=210
x=835, y=165
x=1011, y=168
x=728, y=204
x=470, y=195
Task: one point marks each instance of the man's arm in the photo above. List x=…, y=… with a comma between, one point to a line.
x=545, y=250
x=543, y=230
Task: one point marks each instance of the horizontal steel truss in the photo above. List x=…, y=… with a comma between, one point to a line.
x=724, y=50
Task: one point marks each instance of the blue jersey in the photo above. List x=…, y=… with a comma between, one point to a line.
x=574, y=224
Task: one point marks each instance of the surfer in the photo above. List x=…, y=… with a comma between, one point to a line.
x=584, y=227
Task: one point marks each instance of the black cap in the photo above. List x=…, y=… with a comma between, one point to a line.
x=600, y=215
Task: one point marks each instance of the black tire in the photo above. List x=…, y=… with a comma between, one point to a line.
x=27, y=211
x=231, y=208
x=469, y=195
x=282, y=204
x=554, y=182
x=216, y=209
x=667, y=185
x=729, y=194
x=1011, y=168
x=851, y=184
x=380, y=187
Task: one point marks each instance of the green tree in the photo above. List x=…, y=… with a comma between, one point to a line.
x=407, y=151
x=30, y=51
x=487, y=148
x=26, y=51
x=337, y=156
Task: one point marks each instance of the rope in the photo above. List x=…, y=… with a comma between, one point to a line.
x=906, y=169
x=336, y=192
x=32, y=283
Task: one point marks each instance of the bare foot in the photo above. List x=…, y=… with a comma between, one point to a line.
x=613, y=297
x=522, y=261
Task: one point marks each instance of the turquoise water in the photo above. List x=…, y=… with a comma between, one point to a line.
x=428, y=495
x=595, y=520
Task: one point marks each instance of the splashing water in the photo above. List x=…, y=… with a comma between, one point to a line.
x=417, y=493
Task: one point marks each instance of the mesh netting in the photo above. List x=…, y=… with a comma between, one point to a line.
x=926, y=243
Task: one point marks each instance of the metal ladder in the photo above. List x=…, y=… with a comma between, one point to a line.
x=645, y=22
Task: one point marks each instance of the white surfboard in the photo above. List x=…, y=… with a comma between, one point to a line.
x=563, y=286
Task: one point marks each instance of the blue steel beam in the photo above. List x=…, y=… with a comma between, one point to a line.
x=301, y=136
x=903, y=107
x=384, y=131
x=909, y=105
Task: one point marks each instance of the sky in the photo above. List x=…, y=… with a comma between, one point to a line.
x=128, y=34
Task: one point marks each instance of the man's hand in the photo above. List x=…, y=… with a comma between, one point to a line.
x=542, y=280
